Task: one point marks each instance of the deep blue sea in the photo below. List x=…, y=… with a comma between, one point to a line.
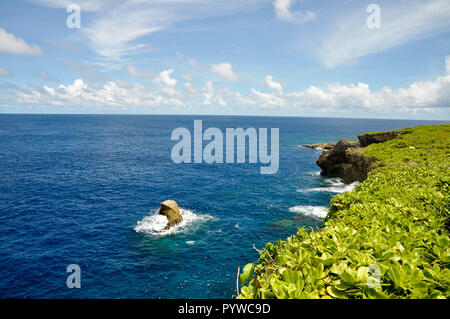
x=85, y=189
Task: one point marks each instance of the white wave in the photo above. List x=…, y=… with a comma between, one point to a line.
x=155, y=223
x=339, y=189
x=336, y=186
x=312, y=211
x=334, y=181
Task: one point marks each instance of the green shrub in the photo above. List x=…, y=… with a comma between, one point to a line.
x=388, y=238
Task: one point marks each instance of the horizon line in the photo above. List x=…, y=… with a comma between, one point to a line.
x=229, y=115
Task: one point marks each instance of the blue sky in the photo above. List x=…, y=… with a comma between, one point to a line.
x=252, y=57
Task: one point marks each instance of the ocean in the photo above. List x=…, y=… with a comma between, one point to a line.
x=85, y=190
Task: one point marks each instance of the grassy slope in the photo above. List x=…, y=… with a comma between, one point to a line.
x=394, y=226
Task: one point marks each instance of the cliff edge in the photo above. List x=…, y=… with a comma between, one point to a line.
x=345, y=159
x=397, y=222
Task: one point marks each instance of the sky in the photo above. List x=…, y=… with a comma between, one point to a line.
x=334, y=58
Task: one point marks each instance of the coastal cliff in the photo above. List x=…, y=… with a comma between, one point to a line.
x=388, y=238
x=346, y=160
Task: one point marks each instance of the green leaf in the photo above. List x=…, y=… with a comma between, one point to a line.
x=335, y=293
x=246, y=273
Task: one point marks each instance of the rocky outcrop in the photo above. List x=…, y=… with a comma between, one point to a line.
x=346, y=161
x=169, y=208
x=371, y=138
x=321, y=146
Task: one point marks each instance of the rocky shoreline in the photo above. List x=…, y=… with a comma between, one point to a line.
x=397, y=218
x=345, y=160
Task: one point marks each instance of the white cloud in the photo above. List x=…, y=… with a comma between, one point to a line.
x=164, y=79
x=118, y=25
x=403, y=21
x=138, y=73
x=270, y=83
x=334, y=96
x=9, y=43
x=421, y=97
x=268, y=99
x=420, y=94
x=112, y=35
x=5, y=72
x=225, y=70
x=112, y=94
x=210, y=95
x=283, y=12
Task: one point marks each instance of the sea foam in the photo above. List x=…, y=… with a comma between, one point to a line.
x=311, y=211
x=155, y=223
x=336, y=186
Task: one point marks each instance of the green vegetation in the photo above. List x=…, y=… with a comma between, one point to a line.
x=394, y=226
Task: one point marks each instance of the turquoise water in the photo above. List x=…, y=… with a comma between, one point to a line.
x=84, y=189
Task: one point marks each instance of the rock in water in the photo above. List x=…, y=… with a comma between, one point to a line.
x=169, y=208
x=321, y=146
